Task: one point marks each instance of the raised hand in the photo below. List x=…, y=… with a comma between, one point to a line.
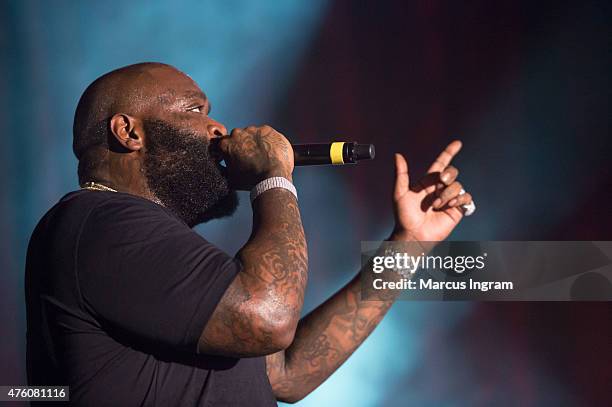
x=428, y=210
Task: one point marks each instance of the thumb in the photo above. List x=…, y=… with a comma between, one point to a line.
x=402, y=180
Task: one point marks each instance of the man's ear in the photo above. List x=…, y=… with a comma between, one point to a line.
x=127, y=131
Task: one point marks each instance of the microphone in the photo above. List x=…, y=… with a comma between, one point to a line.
x=334, y=153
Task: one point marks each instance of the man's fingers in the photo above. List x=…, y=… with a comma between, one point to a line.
x=402, y=180
x=449, y=175
x=445, y=157
x=450, y=192
x=220, y=145
x=460, y=200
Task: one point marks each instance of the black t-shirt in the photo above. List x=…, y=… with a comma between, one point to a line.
x=118, y=290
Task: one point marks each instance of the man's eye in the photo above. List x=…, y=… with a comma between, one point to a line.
x=197, y=109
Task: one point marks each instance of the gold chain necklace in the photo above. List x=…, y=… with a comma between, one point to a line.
x=94, y=186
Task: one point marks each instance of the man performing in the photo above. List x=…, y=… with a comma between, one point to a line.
x=128, y=306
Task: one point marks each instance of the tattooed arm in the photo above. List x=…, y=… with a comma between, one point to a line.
x=425, y=212
x=324, y=339
x=259, y=312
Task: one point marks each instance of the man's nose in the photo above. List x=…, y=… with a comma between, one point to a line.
x=216, y=129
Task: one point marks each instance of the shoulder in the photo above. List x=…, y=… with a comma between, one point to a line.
x=84, y=200
x=122, y=209
x=115, y=204
x=121, y=215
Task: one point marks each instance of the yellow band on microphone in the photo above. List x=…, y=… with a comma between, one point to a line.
x=335, y=152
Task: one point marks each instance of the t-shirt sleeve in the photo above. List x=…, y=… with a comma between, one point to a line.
x=145, y=274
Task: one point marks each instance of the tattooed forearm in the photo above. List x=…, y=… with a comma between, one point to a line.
x=259, y=313
x=324, y=339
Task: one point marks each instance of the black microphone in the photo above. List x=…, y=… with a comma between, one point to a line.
x=334, y=153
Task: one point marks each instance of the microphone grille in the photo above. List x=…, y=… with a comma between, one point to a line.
x=364, y=151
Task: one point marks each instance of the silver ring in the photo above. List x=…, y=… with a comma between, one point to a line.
x=468, y=209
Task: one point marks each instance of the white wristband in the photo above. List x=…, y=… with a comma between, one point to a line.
x=269, y=183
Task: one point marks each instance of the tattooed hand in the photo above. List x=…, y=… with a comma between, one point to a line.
x=254, y=154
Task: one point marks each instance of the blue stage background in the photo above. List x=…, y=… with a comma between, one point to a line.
x=525, y=86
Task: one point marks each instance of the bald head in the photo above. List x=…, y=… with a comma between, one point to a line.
x=110, y=116
x=129, y=90
x=145, y=129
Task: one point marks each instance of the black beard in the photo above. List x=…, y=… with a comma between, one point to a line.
x=183, y=175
